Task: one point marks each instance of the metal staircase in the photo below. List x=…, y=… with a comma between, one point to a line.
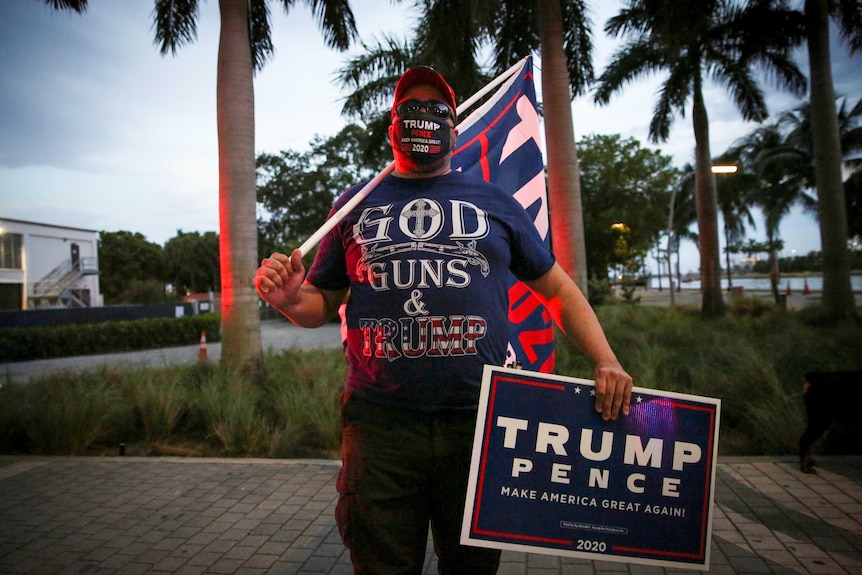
x=56, y=289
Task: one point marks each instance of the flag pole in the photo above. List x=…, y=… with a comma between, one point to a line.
x=333, y=220
x=490, y=86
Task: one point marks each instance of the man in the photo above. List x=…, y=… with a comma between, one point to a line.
x=425, y=259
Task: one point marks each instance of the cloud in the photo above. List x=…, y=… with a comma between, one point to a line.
x=61, y=70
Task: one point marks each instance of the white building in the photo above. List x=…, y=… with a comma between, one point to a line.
x=47, y=266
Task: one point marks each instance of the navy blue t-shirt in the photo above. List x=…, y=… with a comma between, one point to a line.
x=426, y=261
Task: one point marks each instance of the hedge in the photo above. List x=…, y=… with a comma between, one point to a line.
x=29, y=343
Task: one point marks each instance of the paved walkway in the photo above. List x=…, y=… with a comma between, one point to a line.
x=128, y=516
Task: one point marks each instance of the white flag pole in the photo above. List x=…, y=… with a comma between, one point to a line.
x=491, y=85
x=333, y=220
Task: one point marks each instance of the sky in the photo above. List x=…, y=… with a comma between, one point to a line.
x=100, y=131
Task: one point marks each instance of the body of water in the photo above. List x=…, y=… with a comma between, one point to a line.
x=796, y=283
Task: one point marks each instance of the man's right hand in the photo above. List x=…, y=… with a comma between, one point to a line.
x=279, y=278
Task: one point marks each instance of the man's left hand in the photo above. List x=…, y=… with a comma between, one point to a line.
x=613, y=390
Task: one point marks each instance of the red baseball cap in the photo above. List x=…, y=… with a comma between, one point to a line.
x=424, y=76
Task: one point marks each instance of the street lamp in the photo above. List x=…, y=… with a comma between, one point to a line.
x=727, y=169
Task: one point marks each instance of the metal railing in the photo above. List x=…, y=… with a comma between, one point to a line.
x=55, y=285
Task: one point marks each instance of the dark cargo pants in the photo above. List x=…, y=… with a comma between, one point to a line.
x=404, y=470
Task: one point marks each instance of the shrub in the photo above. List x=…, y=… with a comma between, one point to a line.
x=161, y=400
x=751, y=307
x=753, y=363
x=598, y=291
x=304, y=391
x=66, y=414
x=28, y=343
x=229, y=402
x=13, y=434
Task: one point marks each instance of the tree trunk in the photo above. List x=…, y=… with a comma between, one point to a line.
x=774, y=277
x=707, y=211
x=838, y=299
x=564, y=183
x=727, y=258
x=670, y=241
x=241, y=344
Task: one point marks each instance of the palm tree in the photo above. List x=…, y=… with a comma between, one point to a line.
x=775, y=180
x=691, y=39
x=734, y=198
x=244, y=46
x=559, y=86
x=682, y=214
x=838, y=299
x=784, y=152
x=449, y=37
x=560, y=32
x=798, y=150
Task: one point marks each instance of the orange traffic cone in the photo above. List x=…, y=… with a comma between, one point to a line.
x=805, y=289
x=787, y=291
x=202, y=352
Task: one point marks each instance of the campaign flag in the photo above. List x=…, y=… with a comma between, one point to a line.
x=499, y=142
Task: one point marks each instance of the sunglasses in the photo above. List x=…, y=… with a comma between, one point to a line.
x=438, y=109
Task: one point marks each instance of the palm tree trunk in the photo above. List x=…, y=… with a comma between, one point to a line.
x=838, y=299
x=241, y=344
x=707, y=210
x=774, y=277
x=727, y=258
x=670, y=242
x=564, y=184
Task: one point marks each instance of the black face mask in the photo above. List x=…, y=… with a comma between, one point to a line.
x=424, y=138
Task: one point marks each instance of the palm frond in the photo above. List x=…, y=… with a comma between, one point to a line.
x=672, y=98
x=515, y=25
x=175, y=22
x=335, y=19
x=634, y=60
x=259, y=33
x=578, y=45
x=848, y=16
x=79, y=6
x=743, y=88
x=630, y=21
x=850, y=128
x=371, y=76
x=454, y=53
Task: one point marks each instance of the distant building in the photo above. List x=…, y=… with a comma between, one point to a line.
x=47, y=266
